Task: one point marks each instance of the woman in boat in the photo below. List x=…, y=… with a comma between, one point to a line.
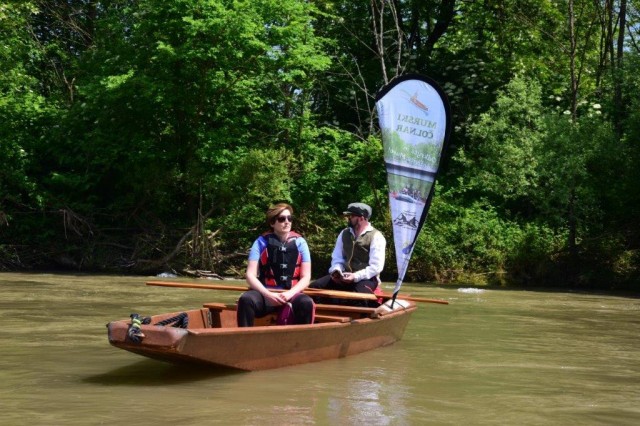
x=278, y=259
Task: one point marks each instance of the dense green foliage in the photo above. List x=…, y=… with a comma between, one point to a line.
x=147, y=136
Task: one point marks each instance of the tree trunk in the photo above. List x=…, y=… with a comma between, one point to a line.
x=618, y=71
x=572, y=61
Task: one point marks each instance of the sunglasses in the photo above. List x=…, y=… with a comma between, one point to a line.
x=281, y=219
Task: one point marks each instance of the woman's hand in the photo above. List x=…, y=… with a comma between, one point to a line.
x=289, y=294
x=276, y=298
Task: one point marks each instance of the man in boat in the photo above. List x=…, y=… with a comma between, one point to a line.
x=358, y=255
x=278, y=260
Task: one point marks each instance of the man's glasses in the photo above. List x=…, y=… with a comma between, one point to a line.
x=282, y=219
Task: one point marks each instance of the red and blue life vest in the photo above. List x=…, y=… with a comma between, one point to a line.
x=280, y=262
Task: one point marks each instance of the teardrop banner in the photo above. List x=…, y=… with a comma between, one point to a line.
x=415, y=121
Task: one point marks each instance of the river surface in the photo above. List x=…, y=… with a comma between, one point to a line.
x=491, y=357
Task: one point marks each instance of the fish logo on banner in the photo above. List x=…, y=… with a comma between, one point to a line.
x=414, y=117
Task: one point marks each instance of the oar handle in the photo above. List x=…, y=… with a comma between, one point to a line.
x=200, y=286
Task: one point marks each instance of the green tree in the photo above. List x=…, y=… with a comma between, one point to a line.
x=21, y=109
x=502, y=158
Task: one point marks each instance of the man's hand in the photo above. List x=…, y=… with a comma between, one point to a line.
x=342, y=277
x=347, y=278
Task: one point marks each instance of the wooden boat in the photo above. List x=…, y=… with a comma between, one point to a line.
x=212, y=336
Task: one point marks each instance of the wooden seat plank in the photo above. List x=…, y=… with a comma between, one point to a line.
x=220, y=306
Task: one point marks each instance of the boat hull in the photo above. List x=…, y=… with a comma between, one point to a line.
x=212, y=338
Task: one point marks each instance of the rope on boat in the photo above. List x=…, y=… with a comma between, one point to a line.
x=133, y=332
x=180, y=321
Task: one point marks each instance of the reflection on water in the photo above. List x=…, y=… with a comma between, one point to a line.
x=491, y=357
x=155, y=373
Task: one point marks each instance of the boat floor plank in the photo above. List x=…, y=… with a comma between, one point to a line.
x=345, y=308
x=331, y=318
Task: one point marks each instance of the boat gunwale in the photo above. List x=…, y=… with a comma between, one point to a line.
x=272, y=328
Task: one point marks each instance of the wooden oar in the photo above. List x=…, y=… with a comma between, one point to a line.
x=310, y=291
x=366, y=296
